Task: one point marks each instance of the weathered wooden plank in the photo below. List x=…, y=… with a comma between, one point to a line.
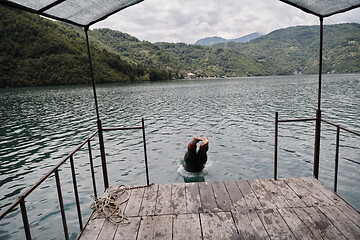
x=178, y=198
x=163, y=200
x=92, y=229
x=338, y=219
x=279, y=200
x=129, y=231
x=343, y=206
x=237, y=199
x=163, y=227
x=298, y=227
x=186, y=227
x=155, y=227
x=308, y=221
x=318, y=223
x=261, y=194
x=108, y=231
x=146, y=228
x=134, y=203
x=149, y=201
x=316, y=184
x=302, y=192
x=315, y=193
x=275, y=224
x=352, y=214
x=332, y=218
x=193, y=202
x=288, y=193
x=249, y=195
x=208, y=202
x=218, y=225
x=249, y=225
x=221, y=196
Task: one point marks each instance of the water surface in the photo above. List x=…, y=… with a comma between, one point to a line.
x=39, y=126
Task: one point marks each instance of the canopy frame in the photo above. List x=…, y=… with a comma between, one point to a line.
x=292, y=3
x=300, y=4
x=99, y=124
x=43, y=10
x=303, y=6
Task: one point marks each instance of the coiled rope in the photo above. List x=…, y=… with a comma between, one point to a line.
x=110, y=205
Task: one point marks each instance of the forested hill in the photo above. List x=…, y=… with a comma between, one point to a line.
x=180, y=57
x=293, y=50
x=296, y=49
x=35, y=51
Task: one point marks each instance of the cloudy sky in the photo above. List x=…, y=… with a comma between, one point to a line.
x=190, y=20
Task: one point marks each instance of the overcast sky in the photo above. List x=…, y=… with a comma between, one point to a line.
x=190, y=20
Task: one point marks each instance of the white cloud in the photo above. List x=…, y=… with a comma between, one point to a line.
x=190, y=20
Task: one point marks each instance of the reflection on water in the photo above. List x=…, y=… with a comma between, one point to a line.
x=39, y=126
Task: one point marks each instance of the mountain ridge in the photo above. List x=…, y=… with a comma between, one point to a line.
x=293, y=50
x=215, y=39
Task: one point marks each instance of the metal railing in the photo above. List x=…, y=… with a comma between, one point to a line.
x=337, y=148
x=20, y=201
x=337, y=145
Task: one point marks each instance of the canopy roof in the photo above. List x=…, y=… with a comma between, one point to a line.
x=324, y=8
x=78, y=12
x=87, y=12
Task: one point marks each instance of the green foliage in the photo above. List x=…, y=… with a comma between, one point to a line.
x=296, y=49
x=293, y=50
x=35, y=51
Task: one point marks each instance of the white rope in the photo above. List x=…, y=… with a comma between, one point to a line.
x=110, y=206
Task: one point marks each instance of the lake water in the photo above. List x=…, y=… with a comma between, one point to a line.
x=39, y=126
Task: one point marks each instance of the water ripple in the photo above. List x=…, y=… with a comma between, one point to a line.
x=40, y=126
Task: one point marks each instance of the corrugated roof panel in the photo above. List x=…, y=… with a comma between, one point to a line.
x=87, y=12
x=79, y=12
x=324, y=8
x=36, y=5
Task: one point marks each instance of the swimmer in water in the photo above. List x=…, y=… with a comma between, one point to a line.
x=195, y=161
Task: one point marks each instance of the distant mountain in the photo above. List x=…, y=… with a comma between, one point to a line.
x=295, y=50
x=215, y=40
x=247, y=38
x=210, y=41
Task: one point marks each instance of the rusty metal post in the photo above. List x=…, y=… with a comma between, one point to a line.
x=318, y=111
x=61, y=204
x=99, y=125
x=102, y=152
x=25, y=219
x=317, y=144
x=276, y=144
x=320, y=60
x=76, y=193
x=92, y=169
x=145, y=153
x=337, y=157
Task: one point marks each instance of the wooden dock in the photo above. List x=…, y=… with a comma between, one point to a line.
x=291, y=208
